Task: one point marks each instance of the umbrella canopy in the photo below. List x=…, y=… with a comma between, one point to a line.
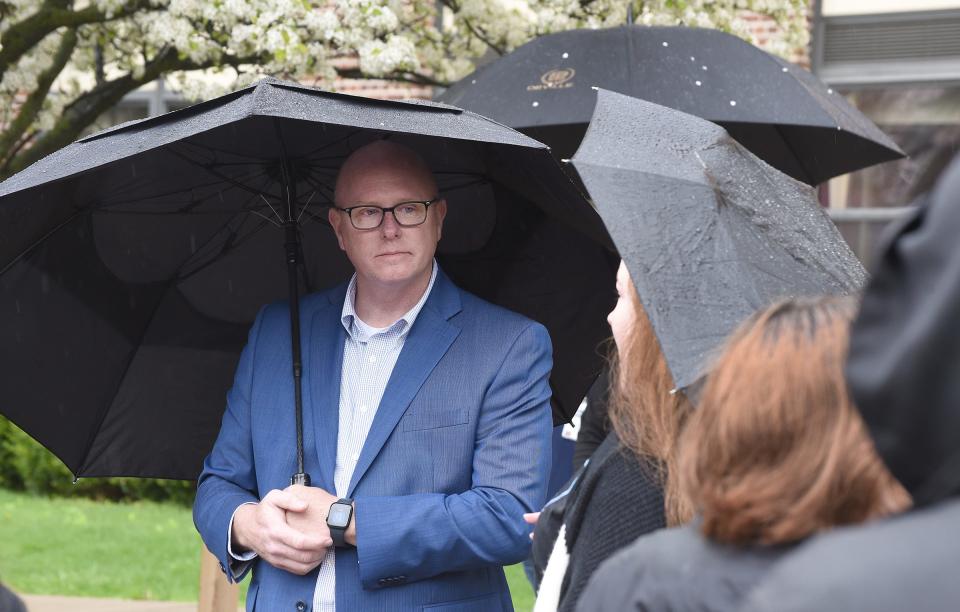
x=905, y=348
x=709, y=232
x=133, y=261
x=906, y=563
x=779, y=111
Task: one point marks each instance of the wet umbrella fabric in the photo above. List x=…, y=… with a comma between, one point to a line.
x=133, y=261
x=905, y=348
x=709, y=232
x=777, y=110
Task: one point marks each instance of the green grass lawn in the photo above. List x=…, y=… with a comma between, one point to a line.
x=139, y=550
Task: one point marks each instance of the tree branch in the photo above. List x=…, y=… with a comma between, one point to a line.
x=24, y=35
x=34, y=102
x=413, y=78
x=86, y=108
x=453, y=6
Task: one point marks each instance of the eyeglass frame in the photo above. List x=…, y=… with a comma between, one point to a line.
x=384, y=210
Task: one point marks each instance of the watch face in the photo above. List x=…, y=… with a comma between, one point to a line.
x=339, y=515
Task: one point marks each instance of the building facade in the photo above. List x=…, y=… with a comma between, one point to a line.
x=898, y=62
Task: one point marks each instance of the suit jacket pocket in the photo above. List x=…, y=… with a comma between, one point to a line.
x=483, y=603
x=433, y=419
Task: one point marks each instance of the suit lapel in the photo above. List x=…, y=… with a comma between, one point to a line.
x=426, y=343
x=327, y=336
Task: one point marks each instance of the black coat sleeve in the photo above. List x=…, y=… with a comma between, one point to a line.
x=905, y=347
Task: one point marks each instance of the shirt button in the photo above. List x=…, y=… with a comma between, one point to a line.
x=373, y=360
x=363, y=409
x=355, y=456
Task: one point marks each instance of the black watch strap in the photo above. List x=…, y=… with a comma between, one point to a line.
x=338, y=534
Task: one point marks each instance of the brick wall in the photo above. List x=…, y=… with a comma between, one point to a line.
x=764, y=29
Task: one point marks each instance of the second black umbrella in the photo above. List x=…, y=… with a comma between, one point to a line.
x=779, y=111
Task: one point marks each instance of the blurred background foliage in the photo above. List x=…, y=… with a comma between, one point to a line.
x=27, y=466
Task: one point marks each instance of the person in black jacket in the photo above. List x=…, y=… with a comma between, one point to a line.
x=774, y=453
x=619, y=495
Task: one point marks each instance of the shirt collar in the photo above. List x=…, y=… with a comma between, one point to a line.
x=359, y=330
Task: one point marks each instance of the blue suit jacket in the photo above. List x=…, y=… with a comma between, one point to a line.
x=459, y=449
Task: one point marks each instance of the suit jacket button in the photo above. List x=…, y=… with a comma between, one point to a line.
x=301, y=606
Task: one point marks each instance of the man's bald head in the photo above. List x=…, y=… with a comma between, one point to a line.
x=383, y=160
x=386, y=175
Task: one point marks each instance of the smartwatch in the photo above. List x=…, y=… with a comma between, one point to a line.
x=338, y=519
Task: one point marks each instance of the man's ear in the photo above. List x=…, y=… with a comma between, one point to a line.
x=441, y=208
x=335, y=217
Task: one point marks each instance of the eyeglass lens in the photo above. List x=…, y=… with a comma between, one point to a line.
x=406, y=214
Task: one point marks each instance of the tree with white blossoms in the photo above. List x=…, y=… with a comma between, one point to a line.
x=63, y=63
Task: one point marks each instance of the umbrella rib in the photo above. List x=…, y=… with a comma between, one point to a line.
x=318, y=218
x=219, y=175
x=279, y=218
x=302, y=210
x=265, y=218
x=332, y=144
x=226, y=249
x=223, y=252
x=177, y=273
x=106, y=207
x=106, y=408
x=806, y=171
x=465, y=185
x=40, y=240
x=319, y=185
x=214, y=151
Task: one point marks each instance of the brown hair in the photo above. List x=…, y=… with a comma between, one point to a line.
x=775, y=450
x=645, y=410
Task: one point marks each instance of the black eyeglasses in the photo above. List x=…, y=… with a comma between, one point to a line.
x=406, y=214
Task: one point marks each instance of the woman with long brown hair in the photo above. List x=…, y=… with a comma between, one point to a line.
x=774, y=453
x=621, y=493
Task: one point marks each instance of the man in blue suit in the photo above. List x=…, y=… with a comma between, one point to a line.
x=426, y=425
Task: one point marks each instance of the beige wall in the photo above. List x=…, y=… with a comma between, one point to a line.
x=832, y=8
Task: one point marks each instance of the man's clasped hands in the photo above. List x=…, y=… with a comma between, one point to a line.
x=288, y=528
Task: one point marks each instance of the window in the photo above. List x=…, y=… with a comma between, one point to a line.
x=902, y=70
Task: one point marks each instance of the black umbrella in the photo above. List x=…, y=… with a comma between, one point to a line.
x=780, y=112
x=133, y=261
x=905, y=348
x=709, y=232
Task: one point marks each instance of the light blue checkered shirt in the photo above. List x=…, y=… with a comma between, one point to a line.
x=369, y=355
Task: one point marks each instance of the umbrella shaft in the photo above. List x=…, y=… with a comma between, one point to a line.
x=292, y=246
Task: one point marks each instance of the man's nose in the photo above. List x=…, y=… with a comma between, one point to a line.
x=389, y=227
